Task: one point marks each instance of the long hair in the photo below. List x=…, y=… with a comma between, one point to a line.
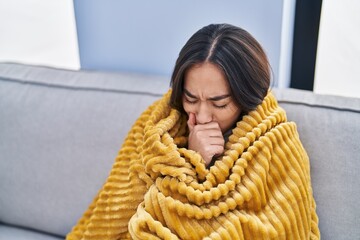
x=236, y=52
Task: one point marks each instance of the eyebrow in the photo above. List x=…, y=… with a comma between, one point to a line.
x=216, y=98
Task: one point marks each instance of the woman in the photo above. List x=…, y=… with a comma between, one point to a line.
x=227, y=68
x=215, y=158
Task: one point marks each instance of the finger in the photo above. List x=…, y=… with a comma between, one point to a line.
x=213, y=133
x=214, y=151
x=202, y=132
x=217, y=141
x=217, y=150
x=192, y=121
x=206, y=136
x=210, y=125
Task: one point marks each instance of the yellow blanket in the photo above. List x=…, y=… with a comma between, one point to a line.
x=158, y=189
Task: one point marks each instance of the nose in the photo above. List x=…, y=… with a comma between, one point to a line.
x=203, y=114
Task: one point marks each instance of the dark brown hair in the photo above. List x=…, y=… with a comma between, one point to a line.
x=236, y=52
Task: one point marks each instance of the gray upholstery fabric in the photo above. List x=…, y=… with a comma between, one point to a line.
x=15, y=233
x=329, y=128
x=60, y=132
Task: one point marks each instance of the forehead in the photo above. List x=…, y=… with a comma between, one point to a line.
x=207, y=78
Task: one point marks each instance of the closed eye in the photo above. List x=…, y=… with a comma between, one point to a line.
x=190, y=101
x=220, y=106
x=189, y=98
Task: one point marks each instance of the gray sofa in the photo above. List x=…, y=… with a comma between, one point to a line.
x=60, y=131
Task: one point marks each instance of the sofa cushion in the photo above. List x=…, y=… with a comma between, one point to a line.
x=16, y=233
x=329, y=127
x=60, y=133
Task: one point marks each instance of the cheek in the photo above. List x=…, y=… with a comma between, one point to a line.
x=187, y=107
x=227, y=118
x=224, y=114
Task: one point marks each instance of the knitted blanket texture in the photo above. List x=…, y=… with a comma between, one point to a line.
x=158, y=189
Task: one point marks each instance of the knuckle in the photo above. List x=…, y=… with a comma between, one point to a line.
x=198, y=134
x=220, y=148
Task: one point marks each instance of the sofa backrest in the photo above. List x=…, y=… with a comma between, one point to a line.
x=60, y=132
x=329, y=127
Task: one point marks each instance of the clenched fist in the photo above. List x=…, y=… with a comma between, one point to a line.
x=206, y=139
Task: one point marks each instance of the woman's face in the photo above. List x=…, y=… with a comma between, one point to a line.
x=207, y=95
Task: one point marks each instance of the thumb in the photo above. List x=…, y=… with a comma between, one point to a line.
x=192, y=121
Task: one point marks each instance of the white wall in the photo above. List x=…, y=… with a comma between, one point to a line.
x=146, y=36
x=39, y=32
x=134, y=36
x=338, y=55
